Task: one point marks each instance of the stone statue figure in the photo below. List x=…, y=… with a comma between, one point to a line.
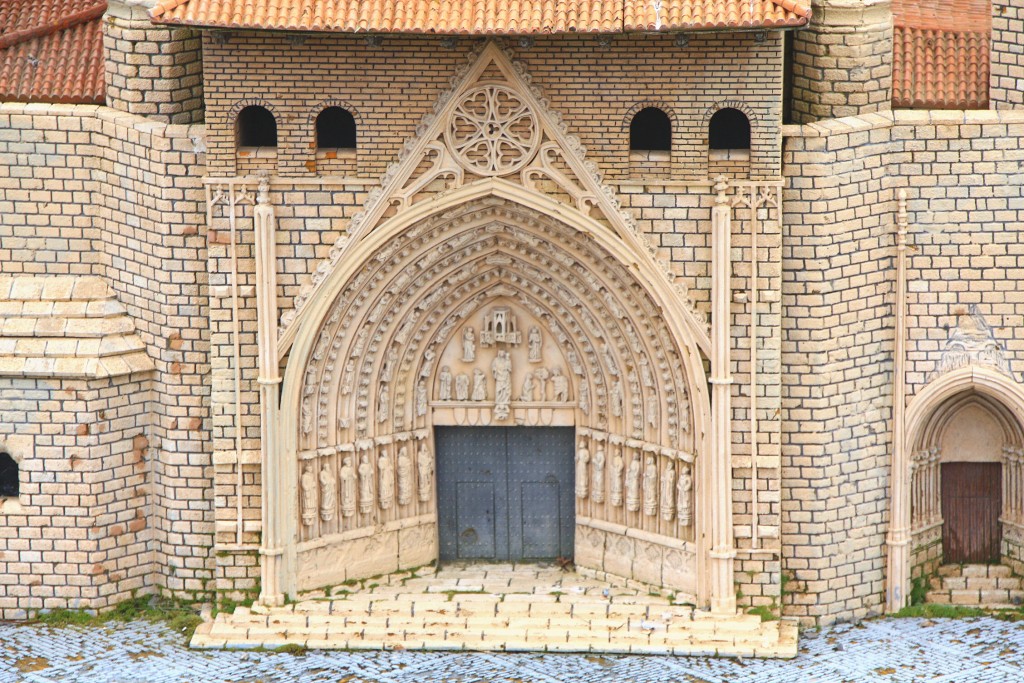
x=421, y=399
x=652, y=408
x=645, y=372
x=633, y=484
x=668, y=492
x=461, y=387
x=501, y=368
x=609, y=358
x=597, y=476
x=527, y=392
x=616, y=487
x=684, y=412
x=617, y=398
x=346, y=382
x=479, y=385
x=365, y=485
x=389, y=365
x=347, y=476
x=404, y=471
x=428, y=356
x=468, y=345
x=444, y=392
x=560, y=386
x=534, y=341
x=582, y=473
x=541, y=375
x=327, y=494
x=382, y=403
x=424, y=472
x=683, y=488
x=308, y=482
x=650, y=487
x=386, y=480
x=585, y=398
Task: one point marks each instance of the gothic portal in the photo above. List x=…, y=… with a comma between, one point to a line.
x=493, y=282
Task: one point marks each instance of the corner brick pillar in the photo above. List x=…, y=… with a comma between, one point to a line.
x=151, y=70
x=1006, y=84
x=842, y=63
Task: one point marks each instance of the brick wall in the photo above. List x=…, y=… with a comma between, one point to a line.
x=596, y=89
x=78, y=536
x=966, y=204
x=1006, y=89
x=92, y=190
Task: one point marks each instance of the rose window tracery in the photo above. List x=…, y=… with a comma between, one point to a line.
x=493, y=131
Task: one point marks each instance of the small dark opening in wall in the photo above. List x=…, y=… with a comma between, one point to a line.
x=8, y=475
x=650, y=130
x=256, y=127
x=335, y=127
x=729, y=129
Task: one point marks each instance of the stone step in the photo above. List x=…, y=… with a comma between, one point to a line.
x=771, y=639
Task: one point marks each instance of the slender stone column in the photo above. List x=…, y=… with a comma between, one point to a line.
x=723, y=552
x=271, y=550
x=898, y=540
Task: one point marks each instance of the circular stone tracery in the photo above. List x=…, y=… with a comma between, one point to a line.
x=492, y=131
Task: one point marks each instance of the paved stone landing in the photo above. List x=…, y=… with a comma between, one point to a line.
x=499, y=608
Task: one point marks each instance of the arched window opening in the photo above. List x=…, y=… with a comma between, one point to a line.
x=335, y=129
x=650, y=131
x=8, y=476
x=729, y=129
x=256, y=127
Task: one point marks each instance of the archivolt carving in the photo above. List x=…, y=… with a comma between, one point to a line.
x=440, y=328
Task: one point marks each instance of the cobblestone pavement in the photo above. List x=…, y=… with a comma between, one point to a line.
x=981, y=650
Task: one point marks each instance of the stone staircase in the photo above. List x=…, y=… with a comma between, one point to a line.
x=501, y=609
x=976, y=585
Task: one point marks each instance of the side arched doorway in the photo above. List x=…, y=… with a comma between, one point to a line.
x=966, y=494
x=494, y=313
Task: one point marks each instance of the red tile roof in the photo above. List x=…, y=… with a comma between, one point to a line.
x=484, y=17
x=51, y=51
x=941, y=53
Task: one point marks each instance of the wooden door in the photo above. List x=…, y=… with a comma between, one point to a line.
x=972, y=499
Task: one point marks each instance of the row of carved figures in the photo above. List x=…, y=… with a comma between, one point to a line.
x=925, y=482
x=359, y=487
x=638, y=485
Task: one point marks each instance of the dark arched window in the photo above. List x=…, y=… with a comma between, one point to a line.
x=8, y=475
x=256, y=127
x=729, y=129
x=335, y=128
x=650, y=130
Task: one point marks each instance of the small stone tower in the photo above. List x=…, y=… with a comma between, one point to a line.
x=151, y=70
x=842, y=63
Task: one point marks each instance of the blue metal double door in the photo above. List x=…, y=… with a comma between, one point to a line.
x=505, y=494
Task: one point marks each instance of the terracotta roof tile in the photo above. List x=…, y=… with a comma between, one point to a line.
x=51, y=50
x=940, y=69
x=943, y=15
x=941, y=53
x=482, y=17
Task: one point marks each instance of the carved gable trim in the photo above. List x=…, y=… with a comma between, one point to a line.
x=486, y=128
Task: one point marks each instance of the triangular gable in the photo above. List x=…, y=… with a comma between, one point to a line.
x=491, y=125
